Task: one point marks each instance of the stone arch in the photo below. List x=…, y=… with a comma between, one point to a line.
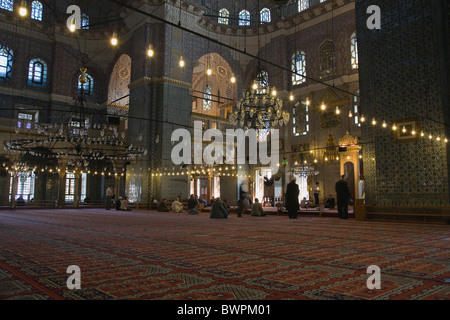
x=120, y=78
x=223, y=91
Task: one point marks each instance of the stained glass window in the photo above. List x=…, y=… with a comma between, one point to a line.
x=262, y=79
x=6, y=55
x=244, y=18
x=223, y=16
x=265, y=15
x=303, y=5
x=300, y=119
x=88, y=87
x=25, y=186
x=7, y=4
x=84, y=21
x=298, y=67
x=36, y=10
x=37, y=73
x=207, y=98
x=70, y=187
x=356, y=108
x=354, y=51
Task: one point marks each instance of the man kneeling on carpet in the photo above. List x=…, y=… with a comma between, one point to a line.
x=124, y=204
x=218, y=210
x=177, y=206
x=257, y=209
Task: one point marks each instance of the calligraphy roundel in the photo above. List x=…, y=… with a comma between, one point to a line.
x=222, y=71
x=124, y=73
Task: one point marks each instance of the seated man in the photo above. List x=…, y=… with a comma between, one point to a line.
x=330, y=202
x=119, y=203
x=218, y=210
x=305, y=203
x=257, y=209
x=193, y=205
x=124, y=204
x=177, y=206
x=162, y=207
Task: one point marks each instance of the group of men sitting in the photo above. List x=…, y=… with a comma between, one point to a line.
x=330, y=203
x=219, y=208
x=122, y=204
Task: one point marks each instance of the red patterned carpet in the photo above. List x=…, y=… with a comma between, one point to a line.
x=168, y=256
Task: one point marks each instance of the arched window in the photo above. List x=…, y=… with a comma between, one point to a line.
x=298, y=67
x=6, y=55
x=265, y=15
x=262, y=79
x=36, y=10
x=327, y=59
x=37, y=73
x=88, y=87
x=84, y=21
x=223, y=16
x=354, y=50
x=7, y=5
x=300, y=119
x=303, y=5
x=207, y=98
x=244, y=18
x=356, y=111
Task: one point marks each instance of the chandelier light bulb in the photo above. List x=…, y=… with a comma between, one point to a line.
x=114, y=40
x=181, y=63
x=150, y=51
x=323, y=106
x=350, y=114
x=72, y=27
x=233, y=79
x=394, y=127
x=307, y=102
x=413, y=132
x=291, y=97
x=255, y=85
x=363, y=119
x=274, y=92
x=23, y=11
x=374, y=122
x=384, y=124
x=337, y=110
x=404, y=130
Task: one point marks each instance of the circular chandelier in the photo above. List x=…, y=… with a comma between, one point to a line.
x=74, y=139
x=259, y=108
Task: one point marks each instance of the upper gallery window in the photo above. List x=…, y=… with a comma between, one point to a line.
x=37, y=73
x=223, y=16
x=88, y=87
x=354, y=51
x=36, y=10
x=84, y=21
x=7, y=4
x=303, y=5
x=298, y=67
x=265, y=15
x=207, y=98
x=6, y=55
x=244, y=18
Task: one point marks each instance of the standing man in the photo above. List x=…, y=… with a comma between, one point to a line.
x=343, y=196
x=316, y=190
x=109, y=194
x=292, y=204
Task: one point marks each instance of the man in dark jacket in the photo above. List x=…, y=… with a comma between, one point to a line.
x=218, y=210
x=292, y=204
x=343, y=196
